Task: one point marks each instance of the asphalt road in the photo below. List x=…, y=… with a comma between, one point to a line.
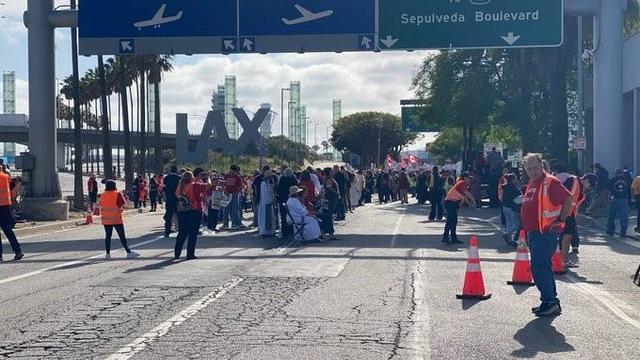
x=385, y=290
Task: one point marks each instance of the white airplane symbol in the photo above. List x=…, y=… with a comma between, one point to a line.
x=307, y=16
x=158, y=19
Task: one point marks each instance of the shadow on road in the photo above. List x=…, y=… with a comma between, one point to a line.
x=540, y=336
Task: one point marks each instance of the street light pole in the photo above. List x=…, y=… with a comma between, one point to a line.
x=315, y=134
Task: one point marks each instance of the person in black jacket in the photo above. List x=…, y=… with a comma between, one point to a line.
x=286, y=181
x=170, y=182
x=511, y=208
x=436, y=190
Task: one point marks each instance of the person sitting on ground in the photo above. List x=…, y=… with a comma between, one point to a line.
x=300, y=215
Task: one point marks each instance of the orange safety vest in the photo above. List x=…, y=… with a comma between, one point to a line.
x=111, y=213
x=502, y=182
x=454, y=195
x=576, y=189
x=5, y=190
x=548, y=212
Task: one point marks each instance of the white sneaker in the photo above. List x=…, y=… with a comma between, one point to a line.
x=107, y=256
x=132, y=255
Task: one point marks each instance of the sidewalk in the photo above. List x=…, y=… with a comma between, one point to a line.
x=601, y=223
x=31, y=228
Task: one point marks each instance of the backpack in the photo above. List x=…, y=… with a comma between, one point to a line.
x=182, y=203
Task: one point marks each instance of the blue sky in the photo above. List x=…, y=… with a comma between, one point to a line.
x=363, y=81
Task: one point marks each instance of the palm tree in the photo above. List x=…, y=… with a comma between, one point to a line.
x=123, y=71
x=325, y=145
x=159, y=64
x=106, y=139
x=142, y=68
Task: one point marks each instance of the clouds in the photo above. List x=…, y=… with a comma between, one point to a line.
x=363, y=81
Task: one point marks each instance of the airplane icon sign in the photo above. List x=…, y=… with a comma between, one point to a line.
x=158, y=19
x=307, y=16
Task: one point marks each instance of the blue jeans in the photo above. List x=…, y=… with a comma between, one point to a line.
x=512, y=221
x=232, y=211
x=542, y=247
x=618, y=207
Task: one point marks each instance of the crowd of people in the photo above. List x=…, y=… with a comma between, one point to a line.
x=543, y=198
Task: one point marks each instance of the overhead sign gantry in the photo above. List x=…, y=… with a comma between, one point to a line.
x=281, y=26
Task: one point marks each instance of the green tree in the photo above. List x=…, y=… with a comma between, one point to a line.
x=358, y=133
x=459, y=89
x=632, y=18
x=448, y=145
x=283, y=149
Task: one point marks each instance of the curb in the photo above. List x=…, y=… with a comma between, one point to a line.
x=60, y=225
x=602, y=227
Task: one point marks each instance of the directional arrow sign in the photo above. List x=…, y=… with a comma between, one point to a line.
x=442, y=24
x=127, y=46
x=389, y=41
x=248, y=44
x=307, y=25
x=366, y=42
x=156, y=27
x=510, y=38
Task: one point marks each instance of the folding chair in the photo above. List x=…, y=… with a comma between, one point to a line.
x=636, y=278
x=298, y=227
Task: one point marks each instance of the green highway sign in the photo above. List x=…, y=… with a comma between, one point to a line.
x=415, y=121
x=448, y=24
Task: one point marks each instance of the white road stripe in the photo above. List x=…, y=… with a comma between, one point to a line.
x=159, y=331
x=72, y=263
x=617, y=306
x=396, y=231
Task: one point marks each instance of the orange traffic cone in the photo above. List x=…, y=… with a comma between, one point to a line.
x=522, y=267
x=473, y=287
x=557, y=264
x=88, y=220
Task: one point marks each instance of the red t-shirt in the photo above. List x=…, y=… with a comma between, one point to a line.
x=198, y=193
x=233, y=184
x=457, y=191
x=529, y=213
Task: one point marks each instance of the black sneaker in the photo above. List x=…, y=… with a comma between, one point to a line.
x=445, y=240
x=549, y=310
x=18, y=256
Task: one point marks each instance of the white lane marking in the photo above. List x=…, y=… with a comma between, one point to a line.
x=617, y=306
x=72, y=263
x=396, y=231
x=161, y=330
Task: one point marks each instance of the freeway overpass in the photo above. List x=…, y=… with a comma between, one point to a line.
x=20, y=135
